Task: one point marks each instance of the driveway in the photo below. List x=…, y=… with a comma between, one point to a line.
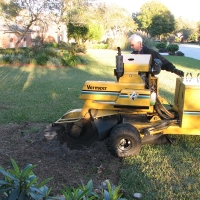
x=190, y=50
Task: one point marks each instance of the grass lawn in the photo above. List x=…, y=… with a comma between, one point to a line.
x=39, y=94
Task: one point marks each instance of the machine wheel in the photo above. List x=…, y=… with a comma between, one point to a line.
x=124, y=140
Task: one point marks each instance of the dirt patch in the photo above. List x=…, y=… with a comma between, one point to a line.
x=25, y=143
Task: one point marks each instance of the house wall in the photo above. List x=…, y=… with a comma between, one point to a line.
x=8, y=40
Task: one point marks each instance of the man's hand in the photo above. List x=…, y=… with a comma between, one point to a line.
x=178, y=72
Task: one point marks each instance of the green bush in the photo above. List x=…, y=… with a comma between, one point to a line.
x=72, y=48
x=72, y=60
x=86, y=192
x=161, y=45
x=179, y=53
x=1, y=59
x=164, y=40
x=44, y=55
x=51, y=52
x=23, y=58
x=54, y=62
x=41, y=59
x=51, y=44
x=8, y=58
x=62, y=45
x=172, y=48
x=7, y=51
x=22, y=184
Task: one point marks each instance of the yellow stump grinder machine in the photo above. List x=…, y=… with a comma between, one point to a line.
x=130, y=112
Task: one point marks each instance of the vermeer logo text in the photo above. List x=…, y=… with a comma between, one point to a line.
x=90, y=87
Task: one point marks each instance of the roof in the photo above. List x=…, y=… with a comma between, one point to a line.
x=13, y=28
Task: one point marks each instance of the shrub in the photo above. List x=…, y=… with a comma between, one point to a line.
x=179, y=53
x=72, y=60
x=1, y=59
x=164, y=40
x=7, y=51
x=50, y=44
x=172, y=48
x=41, y=59
x=54, y=62
x=81, y=49
x=62, y=45
x=22, y=184
x=86, y=192
x=161, y=45
x=162, y=51
x=8, y=58
x=72, y=48
x=51, y=52
x=40, y=55
x=23, y=58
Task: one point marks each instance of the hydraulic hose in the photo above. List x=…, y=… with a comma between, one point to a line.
x=162, y=111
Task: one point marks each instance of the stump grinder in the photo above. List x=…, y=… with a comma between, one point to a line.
x=130, y=112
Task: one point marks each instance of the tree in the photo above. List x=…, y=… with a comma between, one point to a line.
x=77, y=31
x=162, y=24
x=99, y=18
x=198, y=30
x=186, y=30
x=154, y=18
x=25, y=13
x=115, y=19
x=95, y=32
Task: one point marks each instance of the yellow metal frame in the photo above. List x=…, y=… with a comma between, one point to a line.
x=130, y=95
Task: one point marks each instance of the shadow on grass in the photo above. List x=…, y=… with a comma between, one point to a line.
x=44, y=94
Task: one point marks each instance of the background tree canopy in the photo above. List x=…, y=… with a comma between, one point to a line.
x=93, y=20
x=155, y=18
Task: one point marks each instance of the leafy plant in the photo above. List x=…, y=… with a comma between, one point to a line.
x=161, y=45
x=50, y=51
x=112, y=194
x=42, y=59
x=22, y=184
x=72, y=59
x=179, y=53
x=8, y=58
x=85, y=192
x=54, y=62
x=172, y=48
x=7, y=51
x=74, y=194
x=77, y=31
x=88, y=188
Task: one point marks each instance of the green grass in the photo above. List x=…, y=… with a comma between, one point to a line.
x=165, y=171
x=45, y=94
x=37, y=94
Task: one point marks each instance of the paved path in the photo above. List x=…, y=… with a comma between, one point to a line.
x=190, y=50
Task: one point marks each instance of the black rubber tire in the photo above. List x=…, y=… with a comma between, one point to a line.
x=124, y=140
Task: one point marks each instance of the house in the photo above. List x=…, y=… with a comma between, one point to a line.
x=9, y=36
